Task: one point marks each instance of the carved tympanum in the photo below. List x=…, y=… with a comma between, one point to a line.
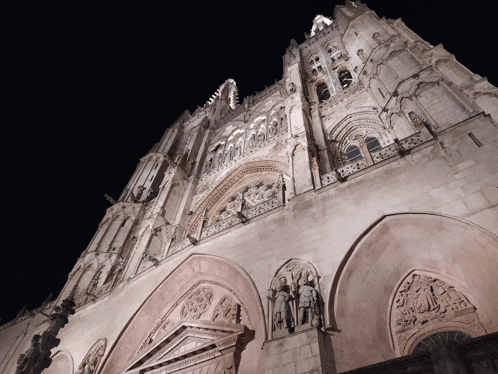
x=92, y=359
x=197, y=303
x=423, y=304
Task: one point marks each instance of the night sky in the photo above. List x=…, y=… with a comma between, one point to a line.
x=90, y=86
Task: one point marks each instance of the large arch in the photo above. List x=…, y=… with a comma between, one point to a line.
x=363, y=289
x=197, y=269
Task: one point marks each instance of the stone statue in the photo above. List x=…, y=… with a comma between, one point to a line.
x=308, y=304
x=282, y=315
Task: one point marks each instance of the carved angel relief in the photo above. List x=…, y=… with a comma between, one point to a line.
x=424, y=304
x=294, y=302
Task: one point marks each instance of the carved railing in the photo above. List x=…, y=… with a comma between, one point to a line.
x=382, y=154
x=219, y=226
x=228, y=222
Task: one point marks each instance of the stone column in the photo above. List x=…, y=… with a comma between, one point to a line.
x=364, y=150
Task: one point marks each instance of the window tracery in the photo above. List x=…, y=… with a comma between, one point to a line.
x=334, y=53
x=315, y=65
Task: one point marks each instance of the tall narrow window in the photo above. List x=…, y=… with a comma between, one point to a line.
x=345, y=78
x=353, y=153
x=372, y=144
x=322, y=91
x=315, y=65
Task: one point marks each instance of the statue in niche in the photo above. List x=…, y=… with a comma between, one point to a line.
x=207, y=166
x=229, y=155
x=219, y=160
x=273, y=129
x=238, y=149
x=261, y=136
x=252, y=141
x=308, y=310
x=282, y=315
x=283, y=122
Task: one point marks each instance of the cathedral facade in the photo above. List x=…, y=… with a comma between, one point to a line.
x=345, y=216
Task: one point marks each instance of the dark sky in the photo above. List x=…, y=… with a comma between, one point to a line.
x=92, y=85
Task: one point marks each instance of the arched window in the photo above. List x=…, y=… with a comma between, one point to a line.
x=315, y=65
x=334, y=53
x=345, y=78
x=322, y=91
x=372, y=144
x=352, y=153
x=439, y=339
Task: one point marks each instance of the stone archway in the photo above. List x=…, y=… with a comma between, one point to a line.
x=461, y=253
x=170, y=307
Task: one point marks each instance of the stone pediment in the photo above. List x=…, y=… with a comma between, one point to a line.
x=190, y=345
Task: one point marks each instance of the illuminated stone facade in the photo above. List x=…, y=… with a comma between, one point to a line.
x=337, y=219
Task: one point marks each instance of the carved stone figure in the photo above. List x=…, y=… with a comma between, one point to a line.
x=238, y=149
x=282, y=315
x=261, y=136
x=207, y=165
x=308, y=304
x=252, y=141
x=272, y=131
x=423, y=299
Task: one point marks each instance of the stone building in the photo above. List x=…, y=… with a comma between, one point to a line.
x=345, y=216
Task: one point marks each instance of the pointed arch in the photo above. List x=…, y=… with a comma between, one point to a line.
x=196, y=269
x=392, y=247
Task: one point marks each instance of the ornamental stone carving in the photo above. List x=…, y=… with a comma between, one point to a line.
x=227, y=310
x=198, y=303
x=424, y=304
x=294, y=302
x=92, y=359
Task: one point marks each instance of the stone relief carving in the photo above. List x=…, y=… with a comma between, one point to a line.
x=227, y=310
x=293, y=299
x=198, y=303
x=253, y=195
x=92, y=359
x=423, y=304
